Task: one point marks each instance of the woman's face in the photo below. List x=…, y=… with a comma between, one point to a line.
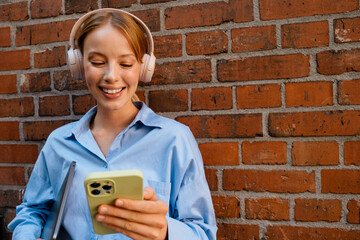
x=111, y=68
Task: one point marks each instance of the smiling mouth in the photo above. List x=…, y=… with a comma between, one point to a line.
x=112, y=91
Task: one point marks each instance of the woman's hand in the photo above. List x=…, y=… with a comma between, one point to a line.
x=137, y=219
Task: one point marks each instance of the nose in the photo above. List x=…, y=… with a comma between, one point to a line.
x=112, y=73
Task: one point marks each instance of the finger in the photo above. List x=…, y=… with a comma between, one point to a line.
x=149, y=194
x=149, y=207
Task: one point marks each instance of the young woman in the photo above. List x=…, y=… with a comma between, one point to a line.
x=119, y=134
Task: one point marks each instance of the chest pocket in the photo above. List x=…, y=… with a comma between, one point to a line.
x=161, y=189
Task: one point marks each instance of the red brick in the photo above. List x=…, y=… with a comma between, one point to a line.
x=45, y=8
x=168, y=46
x=8, y=84
x=83, y=103
x=352, y=153
x=353, y=207
x=9, y=215
x=12, y=176
x=14, y=12
x=38, y=131
x=280, y=181
x=55, y=57
x=253, y=39
x=264, y=153
x=237, y=231
x=264, y=67
x=140, y=95
x=348, y=92
x=305, y=35
x=64, y=81
x=332, y=123
x=309, y=94
x=18, y=153
x=210, y=42
x=35, y=82
x=14, y=60
x=224, y=126
x=168, y=100
x=270, y=9
x=151, y=18
x=5, y=37
x=226, y=206
x=9, y=131
x=338, y=62
x=258, y=96
x=313, y=210
x=220, y=153
x=194, y=71
x=54, y=106
x=313, y=233
x=216, y=98
x=207, y=14
x=315, y=153
x=347, y=30
x=211, y=178
x=10, y=198
x=80, y=6
x=273, y=209
x=44, y=33
x=117, y=3
x=17, y=107
x=340, y=181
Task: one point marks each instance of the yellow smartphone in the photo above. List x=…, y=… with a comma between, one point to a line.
x=106, y=187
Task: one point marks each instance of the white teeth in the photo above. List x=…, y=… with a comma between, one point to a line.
x=112, y=91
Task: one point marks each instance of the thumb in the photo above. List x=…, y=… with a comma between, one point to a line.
x=149, y=194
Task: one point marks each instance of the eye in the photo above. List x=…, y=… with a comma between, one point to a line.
x=126, y=65
x=97, y=63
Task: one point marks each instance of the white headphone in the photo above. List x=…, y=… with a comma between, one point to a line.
x=75, y=59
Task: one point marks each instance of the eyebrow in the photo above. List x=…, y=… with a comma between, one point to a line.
x=121, y=56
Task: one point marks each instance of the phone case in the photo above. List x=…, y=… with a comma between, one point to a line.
x=106, y=187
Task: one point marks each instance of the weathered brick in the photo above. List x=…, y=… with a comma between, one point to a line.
x=18, y=153
x=35, y=82
x=9, y=131
x=224, y=126
x=348, y=92
x=8, y=84
x=270, y=9
x=14, y=12
x=280, y=181
x=347, y=30
x=308, y=94
x=55, y=57
x=10, y=198
x=264, y=67
x=253, y=39
x=64, y=81
x=193, y=71
x=45, y=8
x=54, y=106
x=151, y=18
x=12, y=176
x=313, y=210
x=226, y=206
x=332, y=123
x=258, y=96
x=237, y=231
x=17, y=107
x=352, y=153
x=168, y=46
x=220, y=153
x=209, y=42
x=80, y=6
x=116, y=3
x=211, y=178
x=343, y=181
x=313, y=233
x=168, y=100
x=338, y=62
x=37, y=131
x=305, y=35
x=274, y=209
x=14, y=60
x=83, y=103
x=315, y=153
x=353, y=207
x=264, y=153
x=216, y=98
x=5, y=37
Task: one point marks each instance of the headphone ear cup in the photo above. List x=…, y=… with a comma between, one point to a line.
x=75, y=62
x=147, y=67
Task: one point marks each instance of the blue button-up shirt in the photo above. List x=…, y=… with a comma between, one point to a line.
x=163, y=149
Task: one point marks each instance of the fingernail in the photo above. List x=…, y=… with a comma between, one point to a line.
x=103, y=209
x=100, y=217
x=119, y=203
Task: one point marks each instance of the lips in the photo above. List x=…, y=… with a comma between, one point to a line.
x=112, y=91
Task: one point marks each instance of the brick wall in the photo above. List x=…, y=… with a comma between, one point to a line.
x=270, y=89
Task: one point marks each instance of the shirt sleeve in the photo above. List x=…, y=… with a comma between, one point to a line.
x=192, y=214
x=32, y=213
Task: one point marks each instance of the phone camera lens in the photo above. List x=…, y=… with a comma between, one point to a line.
x=95, y=192
x=95, y=185
x=107, y=187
